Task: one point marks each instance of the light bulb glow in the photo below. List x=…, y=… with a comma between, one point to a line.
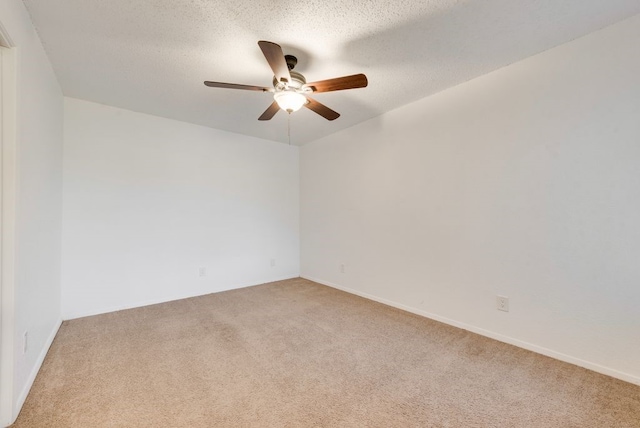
x=290, y=101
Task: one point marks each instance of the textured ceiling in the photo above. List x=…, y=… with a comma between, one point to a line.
x=152, y=56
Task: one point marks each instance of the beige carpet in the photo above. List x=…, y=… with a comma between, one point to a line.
x=298, y=354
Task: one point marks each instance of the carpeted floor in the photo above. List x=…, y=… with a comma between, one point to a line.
x=298, y=354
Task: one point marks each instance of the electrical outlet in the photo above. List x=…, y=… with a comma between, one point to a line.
x=342, y=268
x=502, y=303
x=25, y=339
x=202, y=271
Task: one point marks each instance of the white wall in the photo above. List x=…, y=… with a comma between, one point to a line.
x=524, y=183
x=38, y=178
x=149, y=201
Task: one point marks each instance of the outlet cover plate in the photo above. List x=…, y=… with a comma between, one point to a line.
x=502, y=303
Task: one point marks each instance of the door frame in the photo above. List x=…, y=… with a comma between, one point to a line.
x=8, y=138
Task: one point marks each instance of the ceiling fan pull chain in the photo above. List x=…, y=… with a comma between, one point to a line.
x=289, y=127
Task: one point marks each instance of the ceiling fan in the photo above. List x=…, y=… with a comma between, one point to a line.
x=290, y=88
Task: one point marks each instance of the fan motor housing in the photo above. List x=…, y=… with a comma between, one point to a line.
x=297, y=80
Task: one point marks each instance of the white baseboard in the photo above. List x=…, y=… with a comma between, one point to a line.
x=125, y=306
x=487, y=333
x=34, y=372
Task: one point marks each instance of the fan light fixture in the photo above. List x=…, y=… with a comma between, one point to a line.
x=289, y=100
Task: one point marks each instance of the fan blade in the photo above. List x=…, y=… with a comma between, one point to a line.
x=236, y=86
x=270, y=111
x=275, y=57
x=321, y=109
x=339, y=83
